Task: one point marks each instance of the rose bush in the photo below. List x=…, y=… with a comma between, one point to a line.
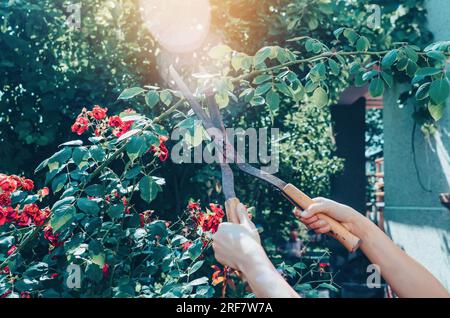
x=100, y=223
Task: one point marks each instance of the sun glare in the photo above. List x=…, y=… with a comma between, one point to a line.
x=178, y=25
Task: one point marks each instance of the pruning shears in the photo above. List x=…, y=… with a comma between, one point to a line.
x=215, y=128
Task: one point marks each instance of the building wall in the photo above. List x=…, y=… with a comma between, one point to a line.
x=414, y=217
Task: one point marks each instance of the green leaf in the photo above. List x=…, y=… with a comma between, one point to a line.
x=427, y=71
x=261, y=79
x=273, y=100
x=95, y=190
x=41, y=166
x=62, y=216
x=152, y=98
x=376, y=87
x=73, y=143
x=88, y=206
x=362, y=44
x=79, y=155
x=317, y=47
x=136, y=147
x=320, y=97
x=389, y=59
x=59, y=182
x=149, y=188
x=36, y=270
x=116, y=210
x=131, y=92
x=195, y=249
x=262, y=89
x=97, y=153
x=439, y=91
x=257, y=101
x=166, y=97
x=328, y=286
x=94, y=272
x=195, y=267
x=436, y=111
x=337, y=33
x=388, y=79
x=436, y=55
x=351, y=35
x=422, y=91
x=334, y=67
x=199, y=281
x=60, y=158
x=262, y=54
x=222, y=100
x=369, y=75
x=157, y=228
x=133, y=173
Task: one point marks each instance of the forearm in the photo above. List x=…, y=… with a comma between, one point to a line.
x=406, y=276
x=264, y=279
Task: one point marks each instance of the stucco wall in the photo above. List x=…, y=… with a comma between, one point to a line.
x=415, y=219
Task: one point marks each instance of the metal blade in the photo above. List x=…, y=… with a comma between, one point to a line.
x=198, y=110
x=260, y=174
x=196, y=107
x=227, y=172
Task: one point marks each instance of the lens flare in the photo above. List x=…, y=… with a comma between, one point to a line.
x=179, y=26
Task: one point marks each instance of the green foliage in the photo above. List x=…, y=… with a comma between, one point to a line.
x=51, y=70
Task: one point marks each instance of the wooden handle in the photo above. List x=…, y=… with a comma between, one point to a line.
x=338, y=231
x=230, y=208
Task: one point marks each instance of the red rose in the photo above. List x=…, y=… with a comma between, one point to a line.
x=164, y=153
x=123, y=128
x=105, y=270
x=3, y=216
x=8, y=184
x=142, y=219
x=186, y=245
x=5, y=199
x=80, y=126
x=43, y=192
x=24, y=220
x=25, y=294
x=40, y=218
x=52, y=238
x=31, y=210
x=11, y=250
x=217, y=209
x=115, y=121
x=11, y=214
x=98, y=112
x=6, y=294
x=194, y=206
x=27, y=185
x=161, y=151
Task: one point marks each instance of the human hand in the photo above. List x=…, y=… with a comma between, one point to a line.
x=236, y=244
x=344, y=214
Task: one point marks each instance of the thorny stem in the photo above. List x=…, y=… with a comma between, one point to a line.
x=308, y=60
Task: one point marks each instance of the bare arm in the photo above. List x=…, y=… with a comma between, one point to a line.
x=407, y=277
x=238, y=246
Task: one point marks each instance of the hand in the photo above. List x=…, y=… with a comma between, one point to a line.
x=347, y=216
x=235, y=244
